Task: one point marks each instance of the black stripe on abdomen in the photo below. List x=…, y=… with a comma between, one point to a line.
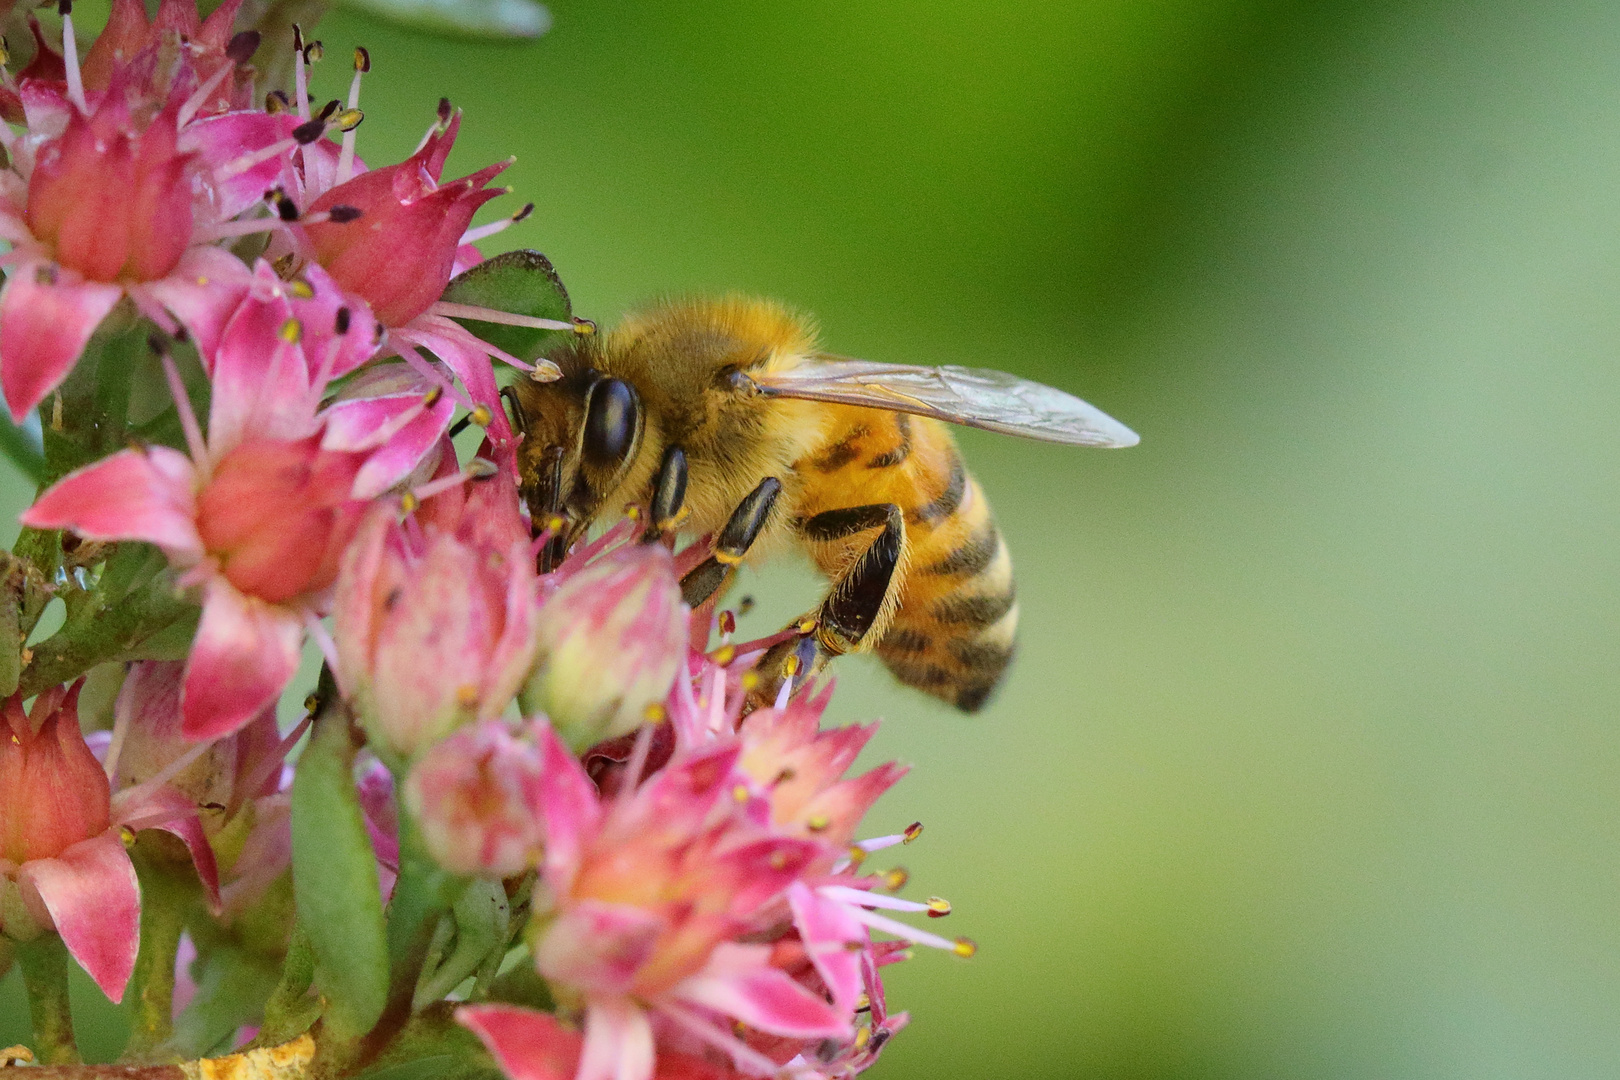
x=948, y=501
x=975, y=553
x=979, y=611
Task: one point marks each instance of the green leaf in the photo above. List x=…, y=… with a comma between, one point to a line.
x=464, y=18
x=22, y=448
x=521, y=282
x=93, y=420
x=232, y=985
x=482, y=921
x=335, y=881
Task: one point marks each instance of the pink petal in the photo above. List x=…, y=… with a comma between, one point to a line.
x=95, y=901
x=740, y=982
x=261, y=382
x=526, y=1044
x=827, y=929
x=202, y=292
x=223, y=138
x=514, y=653
x=597, y=946
x=132, y=495
x=356, y=424
x=245, y=654
x=335, y=354
x=569, y=808
x=180, y=819
x=618, y=1042
x=47, y=315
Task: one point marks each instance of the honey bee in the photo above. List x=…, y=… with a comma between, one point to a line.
x=724, y=418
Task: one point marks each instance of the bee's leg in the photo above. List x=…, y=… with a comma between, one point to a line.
x=669, y=497
x=859, y=596
x=739, y=534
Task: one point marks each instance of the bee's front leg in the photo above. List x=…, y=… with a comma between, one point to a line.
x=861, y=597
x=744, y=526
x=668, y=499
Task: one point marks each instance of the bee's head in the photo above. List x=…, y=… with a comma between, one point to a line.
x=580, y=435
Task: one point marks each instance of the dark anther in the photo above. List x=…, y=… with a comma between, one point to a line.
x=343, y=213
x=309, y=131
x=444, y=110
x=286, y=209
x=155, y=343
x=298, y=38
x=65, y=7
x=431, y=398
x=523, y=213
x=343, y=320
x=362, y=59
x=182, y=334
x=329, y=108
x=71, y=542
x=313, y=52
x=243, y=46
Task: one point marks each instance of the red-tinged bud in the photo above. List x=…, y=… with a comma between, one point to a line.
x=612, y=637
x=276, y=516
x=399, y=253
x=473, y=796
x=53, y=793
x=113, y=204
x=433, y=630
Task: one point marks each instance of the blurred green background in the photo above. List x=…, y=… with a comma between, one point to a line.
x=1310, y=764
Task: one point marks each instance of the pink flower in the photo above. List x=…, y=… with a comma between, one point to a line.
x=259, y=514
x=400, y=253
x=472, y=796
x=613, y=635
x=651, y=892
x=435, y=617
x=121, y=193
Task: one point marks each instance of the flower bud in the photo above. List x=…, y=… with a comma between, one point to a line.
x=432, y=630
x=53, y=793
x=473, y=797
x=112, y=204
x=612, y=637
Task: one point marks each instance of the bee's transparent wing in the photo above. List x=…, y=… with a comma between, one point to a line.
x=977, y=397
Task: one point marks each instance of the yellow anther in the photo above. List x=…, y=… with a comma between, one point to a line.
x=895, y=879
x=431, y=398
x=857, y=855
x=556, y=522
x=656, y=713
x=408, y=502
x=739, y=793
x=913, y=831
x=724, y=655
x=862, y=1037
x=126, y=835
x=632, y=511
x=481, y=415
x=779, y=860
x=750, y=680
x=739, y=1029
x=482, y=468
x=584, y=327
x=818, y=823
x=311, y=703
x=938, y=907
x=5, y=52
x=728, y=622
x=292, y=331
x=467, y=696
x=965, y=947
x=348, y=119
x=314, y=52
x=863, y=1002
x=301, y=289
x=790, y=666
x=362, y=59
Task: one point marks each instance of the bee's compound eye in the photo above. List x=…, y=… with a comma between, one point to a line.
x=611, y=415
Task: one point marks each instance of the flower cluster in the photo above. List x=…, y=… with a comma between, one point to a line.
x=532, y=807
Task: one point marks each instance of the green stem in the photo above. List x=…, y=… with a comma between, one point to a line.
x=45, y=963
x=18, y=448
x=164, y=903
x=290, y=1011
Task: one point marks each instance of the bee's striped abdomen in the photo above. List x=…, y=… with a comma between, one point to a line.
x=952, y=630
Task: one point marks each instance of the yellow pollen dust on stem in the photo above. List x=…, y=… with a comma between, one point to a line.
x=16, y=1055
x=289, y=1061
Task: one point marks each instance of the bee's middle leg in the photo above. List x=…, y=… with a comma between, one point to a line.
x=744, y=526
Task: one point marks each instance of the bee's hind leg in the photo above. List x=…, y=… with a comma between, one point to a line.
x=860, y=597
x=703, y=581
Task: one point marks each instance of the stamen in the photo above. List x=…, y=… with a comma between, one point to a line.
x=477, y=469
x=904, y=932
x=345, y=166
x=504, y=318
x=70, y=57
x=849, y=895
x=484, y=231
x=323, y=639
x=195, y=102
x=135, y=795
x=913, y=831
x=277, y=101
x=727, y=624
x=638, y=762
x=423, y=368
x=314, y=52
x=188, y=419
x=895, y=878
x=300, y=75
x=242, y=164
x=747, y=1058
